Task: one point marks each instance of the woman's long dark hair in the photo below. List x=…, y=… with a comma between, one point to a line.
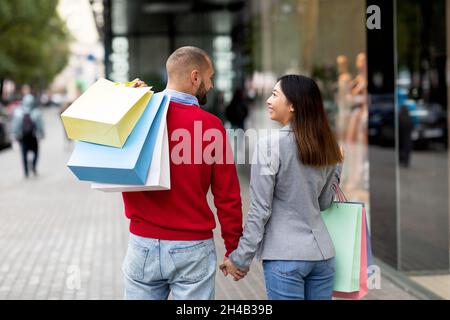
x=316, y=143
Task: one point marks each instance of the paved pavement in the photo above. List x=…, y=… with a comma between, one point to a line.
x=60, y=240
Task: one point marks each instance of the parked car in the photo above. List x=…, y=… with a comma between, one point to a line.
x=429, y=120
x=5, y=132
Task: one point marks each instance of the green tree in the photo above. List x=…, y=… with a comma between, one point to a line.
x=34, y=41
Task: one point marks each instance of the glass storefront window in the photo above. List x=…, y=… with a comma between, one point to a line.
x=423, y=143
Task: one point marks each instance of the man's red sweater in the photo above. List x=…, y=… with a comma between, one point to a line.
x=183, y=213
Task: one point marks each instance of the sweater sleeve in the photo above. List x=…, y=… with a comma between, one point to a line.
x=227, y=196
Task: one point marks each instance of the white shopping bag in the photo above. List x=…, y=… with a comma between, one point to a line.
x=159, y=174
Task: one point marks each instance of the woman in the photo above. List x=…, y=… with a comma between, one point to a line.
x=288, y=191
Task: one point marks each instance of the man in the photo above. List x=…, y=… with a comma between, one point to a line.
x=28, y=129
x=171, y=247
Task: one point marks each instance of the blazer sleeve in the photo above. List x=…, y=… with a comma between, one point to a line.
x=227, y=196
x=328, y=192
x=262, y=184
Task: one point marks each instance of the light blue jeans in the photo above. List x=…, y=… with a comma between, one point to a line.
x=152, y=268
x=299, y=280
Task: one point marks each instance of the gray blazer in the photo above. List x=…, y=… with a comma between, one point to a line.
x=284, y=220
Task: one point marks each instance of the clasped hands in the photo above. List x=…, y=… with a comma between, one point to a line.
x=227, y=267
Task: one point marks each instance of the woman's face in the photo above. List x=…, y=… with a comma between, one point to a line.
x=280, y=109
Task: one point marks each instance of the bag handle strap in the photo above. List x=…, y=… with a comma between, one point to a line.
x=339, y=193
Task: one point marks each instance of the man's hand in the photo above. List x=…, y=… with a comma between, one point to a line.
x=138, y=83
x=228, y=267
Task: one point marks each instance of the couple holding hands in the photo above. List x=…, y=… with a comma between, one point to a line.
x=171, y=247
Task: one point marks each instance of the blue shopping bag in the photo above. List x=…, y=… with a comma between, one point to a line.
x=128, y=165
x=370, y=263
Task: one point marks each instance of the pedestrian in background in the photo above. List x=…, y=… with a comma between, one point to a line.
x=288, y=191
x=28, y=129
x=237, y=110
x=405, y=129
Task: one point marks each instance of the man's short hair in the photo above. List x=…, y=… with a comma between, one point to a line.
x=183, y=60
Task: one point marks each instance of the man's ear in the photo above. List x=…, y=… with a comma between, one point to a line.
x=195, y=78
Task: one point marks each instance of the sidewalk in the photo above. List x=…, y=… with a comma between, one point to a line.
x=60, y=240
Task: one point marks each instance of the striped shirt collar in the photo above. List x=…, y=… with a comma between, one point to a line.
x=182, y=97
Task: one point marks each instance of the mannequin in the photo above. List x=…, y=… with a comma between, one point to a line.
x=357, y=135
x=359, y=100
x=343, y=97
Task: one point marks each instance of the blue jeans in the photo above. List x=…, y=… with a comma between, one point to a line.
x=152, y=268
x=27, y=145
x=299, y=280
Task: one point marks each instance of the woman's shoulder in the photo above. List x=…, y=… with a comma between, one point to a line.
x=275, y=138
x=275, y=143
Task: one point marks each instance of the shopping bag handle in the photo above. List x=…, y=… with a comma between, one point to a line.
x=339, y=193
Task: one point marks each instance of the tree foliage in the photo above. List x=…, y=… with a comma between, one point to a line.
x=34, y=41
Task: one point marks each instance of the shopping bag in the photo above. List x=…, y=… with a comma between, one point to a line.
x=159, y=174
x=362, y=290
x=344, y=224
x=106, y=113
x=129, y=165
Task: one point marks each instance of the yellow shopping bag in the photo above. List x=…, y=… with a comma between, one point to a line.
x=106, y=113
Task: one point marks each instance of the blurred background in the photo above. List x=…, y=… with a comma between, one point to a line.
x=385, y=91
